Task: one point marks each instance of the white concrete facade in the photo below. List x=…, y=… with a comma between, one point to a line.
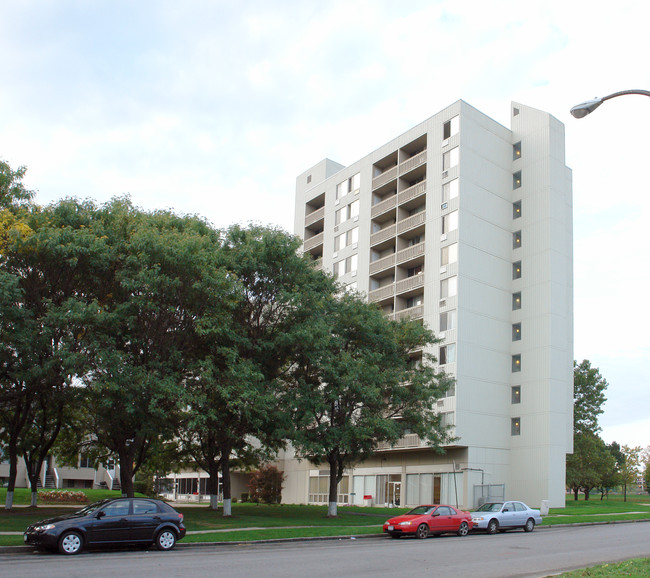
x=466, y=225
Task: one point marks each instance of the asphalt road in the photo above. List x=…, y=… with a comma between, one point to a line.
x=541, y=553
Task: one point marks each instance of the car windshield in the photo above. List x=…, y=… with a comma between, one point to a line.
x=90, y=508
x=420, y=510
x=490, y=507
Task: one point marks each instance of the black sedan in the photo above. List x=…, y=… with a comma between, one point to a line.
x=124, y=521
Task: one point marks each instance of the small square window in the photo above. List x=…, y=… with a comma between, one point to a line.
x=516, y=240
x=516, y=332
x=515, y=426
x=450, y=128
x=516, y=363
x=516, y=151
x=516, y=270
x=516, y=180
x=516, y=301
x=308, y=179
x=516, y=394
x=516, y=210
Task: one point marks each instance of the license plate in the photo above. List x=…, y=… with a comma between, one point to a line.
x=391, y=528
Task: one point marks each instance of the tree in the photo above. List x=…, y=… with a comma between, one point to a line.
x=266, y=485
x=611, y=477
x=234, y=387
x=630, y=467
x=590, y=459
x=356, y=384
x=13, y=193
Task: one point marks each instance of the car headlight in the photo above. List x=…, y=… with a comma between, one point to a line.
x=405, y=523
x=44, y=528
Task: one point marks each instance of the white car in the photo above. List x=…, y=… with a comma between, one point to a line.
x=496, y=517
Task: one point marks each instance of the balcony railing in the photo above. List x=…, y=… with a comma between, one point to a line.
x=412, y=192
x=412, y=222
x=410, y=253
x=313, y=241
x=409, y=441
x=416, y=312
x=414, y=161
x=409, y=284
x=314, y=217
x=383, y=206
x=383, y=178
x=382, y=235
x=382, y=264
x=381, y=293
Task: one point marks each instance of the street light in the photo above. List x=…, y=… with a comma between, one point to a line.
x=584, y=108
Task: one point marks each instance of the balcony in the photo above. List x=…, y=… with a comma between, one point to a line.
x=409, y=441
x=385, y=177
x=382, y=293
x=411, y=222
x=412, y=193
x=383, y=206
x=413, y=162
x=416, y=312
x=382, y=235
x=410, y=253
x=317, y=215
x=314, y=241
x=382, y=264
x=409, y=284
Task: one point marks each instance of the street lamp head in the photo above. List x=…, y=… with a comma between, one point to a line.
x=584, y=108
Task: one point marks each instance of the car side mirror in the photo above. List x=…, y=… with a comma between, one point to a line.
x=434, y=514
x=506, y=510
x=100, y=514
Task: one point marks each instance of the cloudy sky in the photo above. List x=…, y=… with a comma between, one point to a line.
x=214, y=107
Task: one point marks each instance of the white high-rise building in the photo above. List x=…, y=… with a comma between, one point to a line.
x=466, y=225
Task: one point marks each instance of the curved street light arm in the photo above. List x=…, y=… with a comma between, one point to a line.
x=584, y=108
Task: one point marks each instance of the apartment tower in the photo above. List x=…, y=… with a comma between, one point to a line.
x=465, y=225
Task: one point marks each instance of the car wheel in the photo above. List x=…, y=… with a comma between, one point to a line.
x=422, y=531
x=71, y=543
x=463, y=530
x=492, y=527
x=166, y=540
x=530, y=525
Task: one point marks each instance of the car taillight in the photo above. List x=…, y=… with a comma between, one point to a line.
x=180, y=517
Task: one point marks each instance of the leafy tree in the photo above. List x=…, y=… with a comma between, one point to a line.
x=12, y=190
x=266, y=485
x=611, y=477
x=588, y=391
x=355, y=385
x=234, y=387
x=630, y=467
x=587, y=466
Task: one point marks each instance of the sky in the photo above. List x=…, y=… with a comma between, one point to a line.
x=214, y=107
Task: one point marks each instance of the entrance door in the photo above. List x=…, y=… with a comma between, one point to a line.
x=395, y=493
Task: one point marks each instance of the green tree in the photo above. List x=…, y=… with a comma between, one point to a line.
x=356, y=384
x=630, y=467
x=611, y=477
x=589, y=396
x=588, y=465
x=12, y=190
x=265, y=485
x=234, y=389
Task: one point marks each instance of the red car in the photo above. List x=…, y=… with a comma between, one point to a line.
x=425, y=520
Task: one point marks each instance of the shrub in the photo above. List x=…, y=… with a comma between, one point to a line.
x=62, y=497
x=266, y=485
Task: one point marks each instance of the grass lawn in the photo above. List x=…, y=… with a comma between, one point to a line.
x=635, y=567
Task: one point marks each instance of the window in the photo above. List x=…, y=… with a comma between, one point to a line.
x=450, y=159
x=516, y=363
x=348, y=186
x=449, y=190
x=144, y=507
x=85, y=461
x=448, y=320
x=344, y=266
x=346, y=239
x=348, y=212
x=448, y=418
x=516, y=301
x=450, y=222
x=451, y=127
x=448, y=287
x=516, y=394
x=447, y=354
x=120, y=508
x=516, y=180
x=413, y=271
x=516, y=151
x=515, y=426
x=415, y=240
x=449, y=254
x=308, y=179
x=516, y=239
x=414, y=301
x=516, y=210
x=516, y=270
x=516, y=331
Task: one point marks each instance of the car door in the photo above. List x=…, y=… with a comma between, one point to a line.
x=521, y=514
x=112, y=523
x=508, y=517
x=144, y=520
x=443, y=519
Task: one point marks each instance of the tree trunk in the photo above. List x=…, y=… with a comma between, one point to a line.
x=33, y=484
x=332, y=506
x=587, y=494
x=126, y=472
x=575, y=493
x=225, y=480
x=213, y=485
x=625, y=492
x=13, y=474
